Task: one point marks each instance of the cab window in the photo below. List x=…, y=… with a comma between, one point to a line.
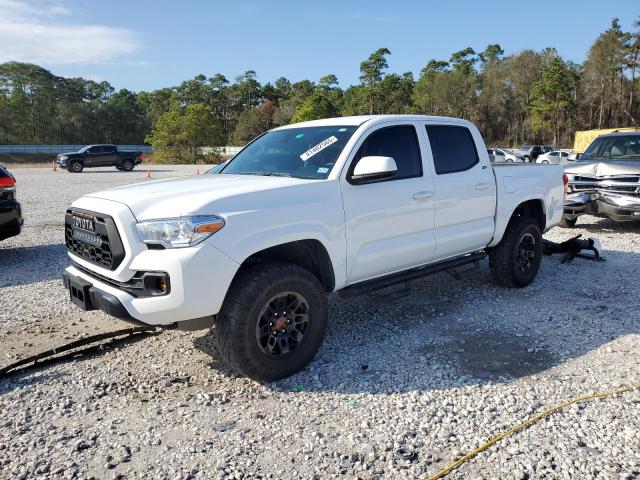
x=452, y=147
x=398, y=142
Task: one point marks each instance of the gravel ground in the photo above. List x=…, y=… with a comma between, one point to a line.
x=435, y=373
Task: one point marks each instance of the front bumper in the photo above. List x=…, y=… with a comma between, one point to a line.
x=200, y=277
x=620, y=208
x=11, y=220
x=88, y=297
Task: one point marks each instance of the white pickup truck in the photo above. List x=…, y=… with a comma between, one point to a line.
x=348, y=204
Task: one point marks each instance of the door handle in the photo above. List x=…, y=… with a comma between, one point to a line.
x=482, y=186
x=424, y=195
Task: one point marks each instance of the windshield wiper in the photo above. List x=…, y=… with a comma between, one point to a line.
x=271, y=174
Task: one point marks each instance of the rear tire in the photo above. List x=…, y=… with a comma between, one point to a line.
x=515, y=261
x=568, y=222
x=127, y=165
x=272, y=322
x=76, y=166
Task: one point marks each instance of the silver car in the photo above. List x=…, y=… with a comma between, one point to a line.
x=556, y=157
x=498, y=155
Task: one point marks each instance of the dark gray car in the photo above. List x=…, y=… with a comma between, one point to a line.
x=99, y=156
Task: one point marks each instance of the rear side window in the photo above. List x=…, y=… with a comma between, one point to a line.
x=399, y=143
x=109, y=149
x=452, y=147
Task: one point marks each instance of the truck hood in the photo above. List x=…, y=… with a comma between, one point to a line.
x=192, y=195
x=605, y=168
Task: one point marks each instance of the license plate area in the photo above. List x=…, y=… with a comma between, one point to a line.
x=79, y=293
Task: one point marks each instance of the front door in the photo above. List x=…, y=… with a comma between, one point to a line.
x=389, y=223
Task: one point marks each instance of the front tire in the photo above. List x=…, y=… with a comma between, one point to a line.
x=76, y=166
x=515, y=261
x=272, y=322
x=118, y=167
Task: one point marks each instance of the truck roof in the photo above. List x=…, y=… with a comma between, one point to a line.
x=358, y=120
x=621, y=134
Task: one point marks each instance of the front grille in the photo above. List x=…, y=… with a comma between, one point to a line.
x=109, y=254
x=620, y=184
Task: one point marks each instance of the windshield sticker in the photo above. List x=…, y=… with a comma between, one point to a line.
x=323, y=170
x=318, y=148
x=300, y=135
x=342, y=130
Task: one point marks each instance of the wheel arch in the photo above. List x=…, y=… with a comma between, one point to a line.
x=532, y=207
x=310, y=254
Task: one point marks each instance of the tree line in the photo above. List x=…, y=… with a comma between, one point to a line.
x=530, y=96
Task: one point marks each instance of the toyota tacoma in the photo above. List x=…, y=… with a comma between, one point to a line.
x=347, y=205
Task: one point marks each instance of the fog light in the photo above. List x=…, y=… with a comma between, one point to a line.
x=156, y=284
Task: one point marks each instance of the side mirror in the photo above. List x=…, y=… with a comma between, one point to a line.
x=373, y=168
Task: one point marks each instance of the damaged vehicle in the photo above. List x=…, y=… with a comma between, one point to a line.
x=352, y=205
x=605, y=181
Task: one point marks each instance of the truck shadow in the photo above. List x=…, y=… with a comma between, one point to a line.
x=17, y=264
x=450, y=333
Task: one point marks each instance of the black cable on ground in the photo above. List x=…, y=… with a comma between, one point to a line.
x=53, y=355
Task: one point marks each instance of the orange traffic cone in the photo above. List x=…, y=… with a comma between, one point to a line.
x=148, y=173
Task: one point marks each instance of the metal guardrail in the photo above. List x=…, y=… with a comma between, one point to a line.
x=55, y=149
x=64, y=148
x=227, y=150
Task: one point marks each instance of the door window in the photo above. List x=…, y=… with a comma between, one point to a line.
x=109, y=149
x=399, y=143
x=95, y=149
x=452, y=147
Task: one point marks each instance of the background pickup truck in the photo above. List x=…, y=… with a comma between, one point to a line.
x=605, y=181
x=99, y=156
x=351, y=204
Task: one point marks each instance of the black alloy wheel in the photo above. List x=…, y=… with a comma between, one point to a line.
x=283, y=323
x=526, y=253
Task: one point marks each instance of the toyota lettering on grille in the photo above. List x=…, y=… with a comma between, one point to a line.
x=84, y=224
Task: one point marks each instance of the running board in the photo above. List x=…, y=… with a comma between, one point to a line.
x=408, y=275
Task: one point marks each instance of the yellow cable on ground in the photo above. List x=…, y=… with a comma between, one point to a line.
x=531, y=421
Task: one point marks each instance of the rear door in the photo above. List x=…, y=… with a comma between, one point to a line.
x=108, y=155
x=465, y=189
x=389, y=223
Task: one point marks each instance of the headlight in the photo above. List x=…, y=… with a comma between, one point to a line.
x=179, y=232
x=63, y=157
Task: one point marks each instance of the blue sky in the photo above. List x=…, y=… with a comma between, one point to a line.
x=147, y=44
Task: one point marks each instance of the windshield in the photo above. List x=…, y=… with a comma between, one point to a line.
x=305, y=152
x=618, y=147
